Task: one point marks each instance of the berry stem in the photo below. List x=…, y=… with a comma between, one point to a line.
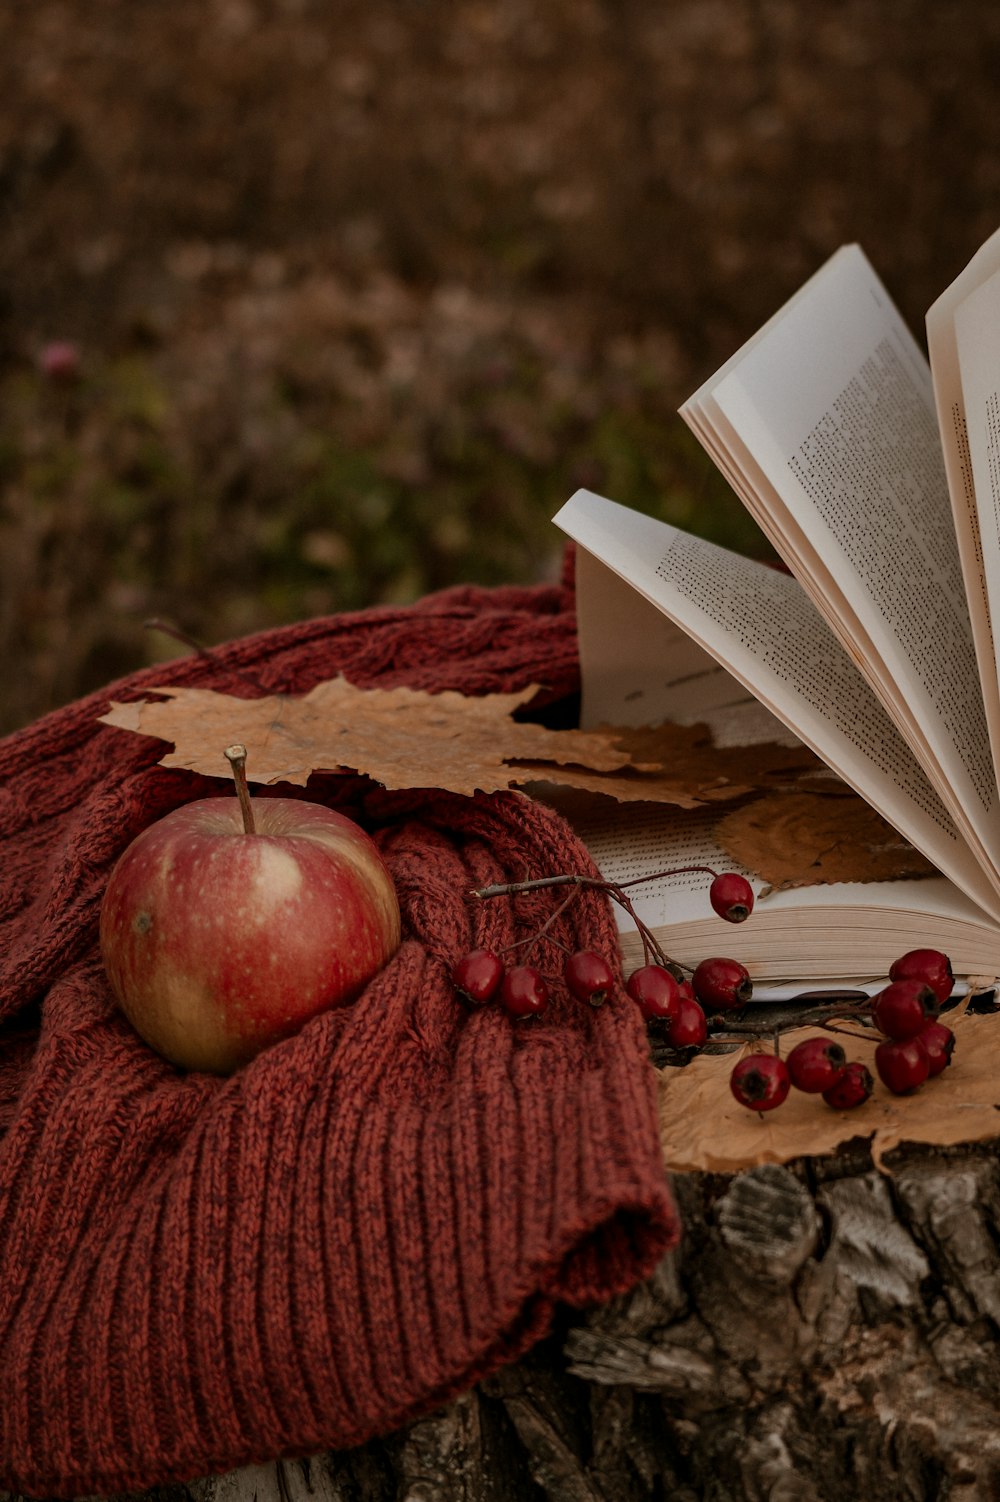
x=637, y=881
x=533, y=939
x=849, y=1032
x=237, y=759
x=514, y=888
x=651, y=948
x=614, y=890
x=565, y=879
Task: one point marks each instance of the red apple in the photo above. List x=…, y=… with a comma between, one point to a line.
x=218, y=941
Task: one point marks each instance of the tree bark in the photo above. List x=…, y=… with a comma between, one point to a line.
x=824, y=1331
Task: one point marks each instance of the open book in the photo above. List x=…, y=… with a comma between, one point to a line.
x=876, y=477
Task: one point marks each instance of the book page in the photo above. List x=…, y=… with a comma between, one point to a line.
x=817, y=934
x=834, y=408
x=638, y=668
x=765, y=631
x=811, y=569
x=949, y=400
x=977, y=338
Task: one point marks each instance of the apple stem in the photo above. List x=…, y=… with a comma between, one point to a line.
x=237, y=759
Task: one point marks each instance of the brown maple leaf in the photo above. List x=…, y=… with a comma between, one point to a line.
x=686, y=757
x=406, y=738
x=401, y=737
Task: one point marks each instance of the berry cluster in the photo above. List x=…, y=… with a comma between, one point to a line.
x=674, y=1005
x=681, y=1010
x=915, y=1046
x=480, y=976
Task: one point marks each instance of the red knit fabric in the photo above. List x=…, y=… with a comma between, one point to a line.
x=196, y=1273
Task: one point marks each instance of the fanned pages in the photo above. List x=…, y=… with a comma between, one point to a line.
x=877, y=651
x=977, y=327
x=949, y=396
x=760, y=625
x=834, y=404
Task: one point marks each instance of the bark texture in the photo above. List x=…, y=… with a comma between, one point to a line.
x=824, y=1331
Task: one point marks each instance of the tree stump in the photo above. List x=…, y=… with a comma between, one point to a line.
x=825, y=1330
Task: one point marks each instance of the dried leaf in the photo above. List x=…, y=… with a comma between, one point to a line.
x=800, y=838
x=678, y=764
x=628, y=785
x=710, y=773
x=703, y=1128
x=406, y=738
x=401, y=737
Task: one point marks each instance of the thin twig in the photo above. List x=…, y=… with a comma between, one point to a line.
x=650, y=945
x=168, y=628
x=764, y=1018
x=537, y=884
x=533, y=939
x=513, y=888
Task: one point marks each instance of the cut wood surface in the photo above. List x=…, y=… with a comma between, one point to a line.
x=825, y=1330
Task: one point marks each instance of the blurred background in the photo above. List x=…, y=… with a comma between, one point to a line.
x=308, y=306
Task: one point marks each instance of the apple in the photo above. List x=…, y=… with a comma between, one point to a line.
x=226, y=925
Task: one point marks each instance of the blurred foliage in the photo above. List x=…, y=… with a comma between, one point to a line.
x=363, y=292
x=322, y=451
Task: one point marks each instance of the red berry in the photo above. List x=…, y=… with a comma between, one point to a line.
x=928, y=965
x=938, y=1043
x=815, y=1064
x=902, y=1064
x=588, y=976
x=732, y=897
x=722, y=985
x=477, y=975
x=760, y=1081
x=685, y=990
x=524, y=992
x=852, y=1087
x=904, y=1008
x=687, y=1028
x=656, y=991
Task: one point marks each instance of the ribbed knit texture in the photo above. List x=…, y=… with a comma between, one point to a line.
x=196, y=1273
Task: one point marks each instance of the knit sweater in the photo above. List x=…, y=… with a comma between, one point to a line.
x=200, y=1272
